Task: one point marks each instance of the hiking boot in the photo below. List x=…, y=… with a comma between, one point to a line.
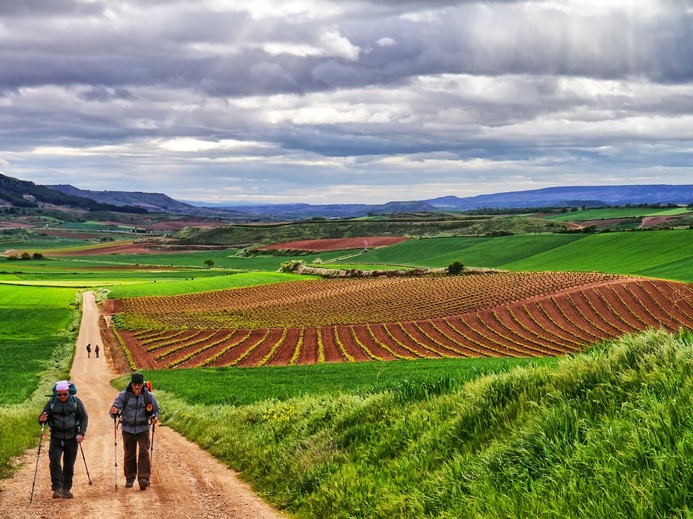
x=57, y=494
x=129, y=483
x=144, y=484
x=67, y=494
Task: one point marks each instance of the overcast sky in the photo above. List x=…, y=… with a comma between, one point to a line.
x=345, y=101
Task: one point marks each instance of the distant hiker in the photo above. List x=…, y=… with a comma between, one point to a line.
x=88, y=350
x=137, y=408
x=67, y=418
x=96, y=350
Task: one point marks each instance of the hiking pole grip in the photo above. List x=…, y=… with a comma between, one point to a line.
x=33, y=485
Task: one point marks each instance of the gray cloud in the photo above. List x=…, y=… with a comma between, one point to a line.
x=345, y=101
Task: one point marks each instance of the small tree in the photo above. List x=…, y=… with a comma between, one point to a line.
x=455, y=268
x=209, y=262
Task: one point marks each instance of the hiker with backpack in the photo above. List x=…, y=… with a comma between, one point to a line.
x=96, y=350
x=137, y=409
x=67, y=418
x=88, y=350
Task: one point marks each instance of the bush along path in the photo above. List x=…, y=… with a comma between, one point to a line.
x=186, y=481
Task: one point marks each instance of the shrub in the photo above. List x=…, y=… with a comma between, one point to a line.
x=455, y=268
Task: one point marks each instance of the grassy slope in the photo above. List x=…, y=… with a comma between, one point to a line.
x=623, y=253
x=658, y=254
x=604, y=434
x=38, y=328
x=616, y=212
x=249, y=385
x=472, y=251
x=205, y=284
x=33, y=322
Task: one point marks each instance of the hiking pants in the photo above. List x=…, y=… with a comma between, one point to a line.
x=61, y=476
x=136, y=466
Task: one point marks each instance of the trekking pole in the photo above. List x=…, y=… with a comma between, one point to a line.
x=151, y=456
x=31, y=499
x=85, y=463
x=115, y=452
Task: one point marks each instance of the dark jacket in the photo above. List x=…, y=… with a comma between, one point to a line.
x=64, y=422
x=134, y=416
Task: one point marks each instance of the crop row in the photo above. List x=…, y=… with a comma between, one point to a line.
x=555, y=324
x=350, y=301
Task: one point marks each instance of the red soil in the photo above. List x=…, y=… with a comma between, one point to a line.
x=600, y=223
x=120, y=248
x=115, y=248
x=560, y=320
x=651, y=221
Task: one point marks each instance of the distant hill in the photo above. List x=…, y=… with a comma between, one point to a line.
x=302, y=211
x=155, y=202
x=22, y=193
x=573, y=196
x=588, y=196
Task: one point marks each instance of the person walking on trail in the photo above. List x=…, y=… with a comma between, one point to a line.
x=88, y=350
x=96, y=350
x=137, y=409
x=68, y=420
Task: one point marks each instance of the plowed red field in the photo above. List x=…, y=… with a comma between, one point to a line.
x=353, y=320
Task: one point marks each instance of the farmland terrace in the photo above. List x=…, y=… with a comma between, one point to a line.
x=379, y=319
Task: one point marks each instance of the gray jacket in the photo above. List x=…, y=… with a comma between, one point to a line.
x=134, y=416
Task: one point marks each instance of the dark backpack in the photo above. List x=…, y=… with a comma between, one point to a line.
x=73, y=400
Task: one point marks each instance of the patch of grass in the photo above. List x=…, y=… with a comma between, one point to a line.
x=21, y=363
x=201, y=284
x=34, y=323
x=409, y=379
x=19, y=431
x=472, y=251
x=616, y=212
x=654, y=253
x=29, y=368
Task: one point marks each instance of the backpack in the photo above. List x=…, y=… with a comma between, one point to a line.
x=73, y=400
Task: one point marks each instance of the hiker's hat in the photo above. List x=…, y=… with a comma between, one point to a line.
x=137, y=378
x=62, y=385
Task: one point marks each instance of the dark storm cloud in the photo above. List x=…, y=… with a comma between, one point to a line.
x=470, y=38
x=348, y=94
x=48, y=8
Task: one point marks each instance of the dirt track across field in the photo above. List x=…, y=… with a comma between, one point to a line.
x=186, y=481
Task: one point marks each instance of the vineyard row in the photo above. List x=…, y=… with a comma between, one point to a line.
x=553, y=325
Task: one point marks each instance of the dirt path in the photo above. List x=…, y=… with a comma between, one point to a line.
x=186, y=481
